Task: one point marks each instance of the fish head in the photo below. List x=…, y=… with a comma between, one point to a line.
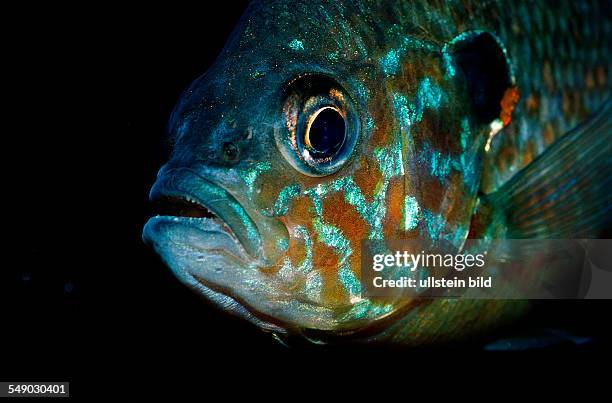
x=303, y=139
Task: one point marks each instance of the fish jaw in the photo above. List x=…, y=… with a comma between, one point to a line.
x=205, y=257
x=201, y=253
x=215, y=256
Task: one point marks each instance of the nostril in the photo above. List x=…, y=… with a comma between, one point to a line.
x=230, y=151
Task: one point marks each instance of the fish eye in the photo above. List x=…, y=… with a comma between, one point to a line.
x=325, y=132
x=320, y=127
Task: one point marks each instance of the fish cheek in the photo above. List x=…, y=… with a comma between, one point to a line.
x=383, y=132
x=368, y=177
x=267, y=188
x=392, y=225
x=337, y=212
x=301, y=215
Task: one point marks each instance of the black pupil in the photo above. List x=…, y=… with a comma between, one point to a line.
x=327, y=132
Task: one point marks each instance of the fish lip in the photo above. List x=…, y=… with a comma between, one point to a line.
x=228, y=212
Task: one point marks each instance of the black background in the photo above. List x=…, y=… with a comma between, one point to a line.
x=84, y=298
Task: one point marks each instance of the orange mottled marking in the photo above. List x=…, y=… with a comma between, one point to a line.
x=508, y=103
x=529, y=153
x=393, y=218
x=456, y=211
x=532, y=103
x=300, y=212
x=433, y=193
x=548, y=134
x=589, y=79
x=384, y=127
x=337, y=212
x=326, y=261
x=367, y=177
x=600, y=73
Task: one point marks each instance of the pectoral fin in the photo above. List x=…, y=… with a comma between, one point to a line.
x=566, y=192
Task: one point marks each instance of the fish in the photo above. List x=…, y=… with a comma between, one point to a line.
x=326, y=123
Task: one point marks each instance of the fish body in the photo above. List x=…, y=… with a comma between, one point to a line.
x=323, y=124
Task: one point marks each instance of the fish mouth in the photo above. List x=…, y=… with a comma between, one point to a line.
x=185, y=208
x=178, y=206
x=184, y=198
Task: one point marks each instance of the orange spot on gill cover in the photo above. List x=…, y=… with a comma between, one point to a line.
x=508, y=103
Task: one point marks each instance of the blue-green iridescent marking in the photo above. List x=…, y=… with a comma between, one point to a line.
x=246, y=221
x=335, y=239
x=434, y=224
x=464, y=136
x=411, y=212
x=374, y=212
x=390, y=160
x=447, y=62
x=447, y=59
x=402, y=111
x=362, y=91
x=467, y=159
x=257, y=74
x=429, y=96
x=390, y=62
x=348, y=279
x=250, y=175
x=440, y=164
x=306, y=264
x=315, y=195
x=252, y=232
x=282, y=244
x=296, y=45
x=288, y=269
x=313, y=286
x=285, y=197
x=367, y=309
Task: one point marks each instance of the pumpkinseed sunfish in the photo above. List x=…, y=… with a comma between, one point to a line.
x=324, y=123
